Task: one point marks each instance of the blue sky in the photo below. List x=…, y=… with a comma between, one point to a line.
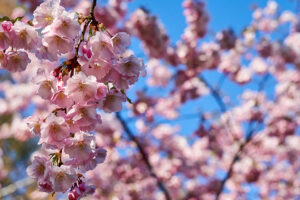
x=223, y=13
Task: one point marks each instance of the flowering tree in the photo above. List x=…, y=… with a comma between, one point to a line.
x=72, y=103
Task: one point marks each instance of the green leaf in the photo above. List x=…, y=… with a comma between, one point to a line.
x=91, y=32
x=102, y=27
x=5, y=18
x=55, y=160
x=17, y=19
x=129, y=100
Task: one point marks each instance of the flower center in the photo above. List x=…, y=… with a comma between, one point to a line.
x=49, y=19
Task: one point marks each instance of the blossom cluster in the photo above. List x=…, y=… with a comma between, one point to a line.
x=84, y=70
x=151, y=31
x=217, y=116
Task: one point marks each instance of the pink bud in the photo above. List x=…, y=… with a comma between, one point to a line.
x=73, y=194
x=6, y=25
x=89, y=53
x=86, y=51
x=82, y=187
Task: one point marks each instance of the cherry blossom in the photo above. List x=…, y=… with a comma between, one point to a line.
x=216, y=116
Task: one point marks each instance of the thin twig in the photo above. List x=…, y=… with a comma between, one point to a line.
x=234, y=160
x=249, y=137
x=215, y=94
x=144, y=154
x=89, y=19
x=93, y=8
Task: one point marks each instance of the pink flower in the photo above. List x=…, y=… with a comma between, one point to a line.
x=242, y=76
x=2, y=59
x=54, y=131
x=61, y=99
x=113, y=101
x=130, y=66
x=4, y=39
x=46, y=13
x=267, y=25
x=159, y=74
x=150, y=31
x=6, y=26
x=120, y=42
x=62, y=178
x=82, y=88
x=168, y=107
x=56, y=44
x=101, y=47
x=258, y=65
x=97, y=68
x=65, y=25
x=164, y=131
x=100, y=155
x=126, y=72
x=43, y=53
x=83, y=7
x=46, y=89
x=230, y=62
x=101, y=91
x=39, y=168
x=45, y=185
x=85, y=50
x=82, y=153
x=79, y=190
x=293, y=41
x=120, y=81
x=81, y=147
x=34, y=123
x=24, y=36
x=74, y=194
x=85, y=117
x=197, y=19
x=271, y=8
x=16, y=61
x=97, y=157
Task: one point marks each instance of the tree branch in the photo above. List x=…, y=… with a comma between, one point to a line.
x=144, y=154
x=249, y=137
x=234, y=160
x=215, y=94
x=89, y=19
x=93, y=8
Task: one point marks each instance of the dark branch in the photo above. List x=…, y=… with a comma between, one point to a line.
x=93, y=8
x=144, y=154
x=235, y=159
x=215, y=94
x=249, y=137
x=89, y=19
